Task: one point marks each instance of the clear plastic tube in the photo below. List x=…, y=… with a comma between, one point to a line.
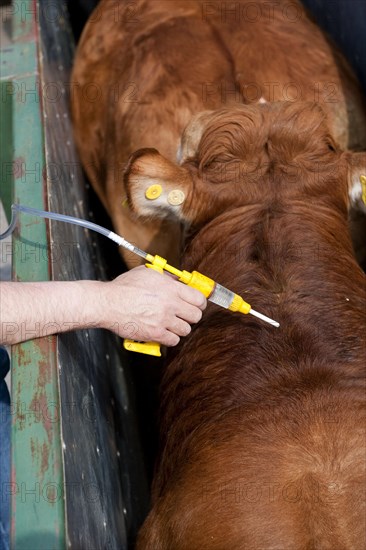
x=16, y=208
x=221, y=296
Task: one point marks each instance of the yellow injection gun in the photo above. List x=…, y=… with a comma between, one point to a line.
x=213, y=291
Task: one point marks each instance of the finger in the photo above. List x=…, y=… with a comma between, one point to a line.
x=168, y=338
x=187, y=312
x=171, y=276
x=179, y=327
x=192, y=296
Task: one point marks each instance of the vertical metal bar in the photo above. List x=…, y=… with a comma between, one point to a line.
x=37, y=484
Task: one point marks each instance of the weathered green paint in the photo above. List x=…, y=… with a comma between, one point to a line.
x=18, y=59
x=6, y=147
x=38, y=510
x=25, y=14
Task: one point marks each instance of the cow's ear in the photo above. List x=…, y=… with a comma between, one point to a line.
x=357, y=181
x=192, y=136
x=156, y=187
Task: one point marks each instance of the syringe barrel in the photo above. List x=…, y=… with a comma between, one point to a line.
x=214, y=292
x=222, y=296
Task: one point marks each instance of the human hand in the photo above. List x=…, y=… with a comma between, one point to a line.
x=148, y=306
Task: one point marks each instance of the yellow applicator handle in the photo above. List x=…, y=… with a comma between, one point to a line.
x=195, y=280
x=213, y=291
x=149, y=348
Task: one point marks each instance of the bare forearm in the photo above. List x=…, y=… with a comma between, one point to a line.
x=140, y=304
x=33, y=310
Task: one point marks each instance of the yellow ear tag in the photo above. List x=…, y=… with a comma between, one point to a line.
x=125, y=203
x=363, y=185
x=153, y=192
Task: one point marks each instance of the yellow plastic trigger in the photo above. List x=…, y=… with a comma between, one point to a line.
x=149, y=348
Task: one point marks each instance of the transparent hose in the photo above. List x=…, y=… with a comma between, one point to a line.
x=16, y=208
x=221, y=295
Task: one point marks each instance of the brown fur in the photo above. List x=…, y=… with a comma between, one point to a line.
x=262, y=429
x=153, y=64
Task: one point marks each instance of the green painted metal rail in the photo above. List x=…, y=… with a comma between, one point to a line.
x=37, y=481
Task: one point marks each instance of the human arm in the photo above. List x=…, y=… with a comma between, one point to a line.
x=140, y=304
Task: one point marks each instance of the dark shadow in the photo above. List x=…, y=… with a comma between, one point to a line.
x=344, y=21
x=79, y=11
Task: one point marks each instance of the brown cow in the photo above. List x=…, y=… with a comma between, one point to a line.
x=143, y=69
x=263, y=429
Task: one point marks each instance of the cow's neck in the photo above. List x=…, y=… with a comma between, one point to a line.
x=283, y=258
x=275, y=240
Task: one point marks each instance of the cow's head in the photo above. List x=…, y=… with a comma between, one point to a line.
x=246, y=155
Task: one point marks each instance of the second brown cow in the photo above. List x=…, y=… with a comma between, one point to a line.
x=144, y=69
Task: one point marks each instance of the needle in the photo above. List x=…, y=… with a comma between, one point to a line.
x=264, y=318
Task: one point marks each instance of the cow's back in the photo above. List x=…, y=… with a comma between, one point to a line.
x=259, y=482
x=263, y=430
